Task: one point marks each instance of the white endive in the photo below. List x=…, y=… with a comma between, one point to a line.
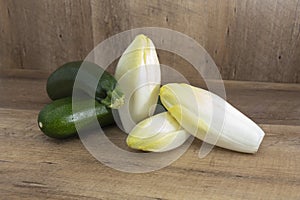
x=138, y=74
x=158, y=133
x=201, y=112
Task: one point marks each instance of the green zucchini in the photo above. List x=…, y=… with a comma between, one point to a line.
x=60, y=83
x=57, y=120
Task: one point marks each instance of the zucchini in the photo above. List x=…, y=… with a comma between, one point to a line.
x=57, y=120
x=61, y=82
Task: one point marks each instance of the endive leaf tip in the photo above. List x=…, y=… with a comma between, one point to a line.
x=175, y=108
x=140, y=39
x=141, y=36
x=164, y=134
x=129, y=141
x=133, y=141
x=162, y=89
x=136, y=143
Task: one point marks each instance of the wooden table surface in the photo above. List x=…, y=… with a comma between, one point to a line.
x=33, y=166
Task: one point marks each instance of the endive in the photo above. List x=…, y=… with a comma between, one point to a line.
x=138, y=75
x=158, y=133
x=201, y=112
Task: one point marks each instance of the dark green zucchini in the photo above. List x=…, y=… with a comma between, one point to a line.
x=56, y=119
x=60, y=83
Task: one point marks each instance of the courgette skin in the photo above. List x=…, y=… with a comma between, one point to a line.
x=61, y=82
x=56, y=119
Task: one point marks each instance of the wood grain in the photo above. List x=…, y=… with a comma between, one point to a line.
x=272, y=103
x=44, y=34
x=265, y=40
x=33, y=166
x=248, y=39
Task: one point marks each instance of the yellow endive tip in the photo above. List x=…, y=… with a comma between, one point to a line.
x=189, y=121
x=157, y=133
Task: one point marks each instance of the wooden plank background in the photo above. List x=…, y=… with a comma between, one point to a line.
x=256, y=40
x=34, y=166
